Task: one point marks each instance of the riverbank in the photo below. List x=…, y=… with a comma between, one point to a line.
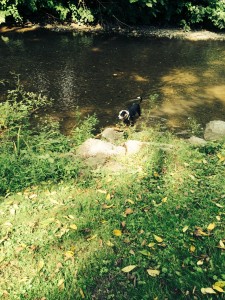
x=71, y=231
x=137, y=31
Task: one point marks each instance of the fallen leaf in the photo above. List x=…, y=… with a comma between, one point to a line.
x=192, y=248
x=158, y=238
x=153, y=273
x=128, y=211
x=33, y=196
x=207, y=290
x=198, y=232
x=128, y=268
x=130, y=201
x=60, y=284
x=123, y=224
x=110, y=244
x=200, y=262
x=82, y=294
x=101, y=191
x=221, y=158
x=220, y=283
x=145, y=252
x=73, y=226
x=92, y=237
x=164, y=199
x=105, y=206
x=222, y=245
x=117, y=232
x=150, y=245
x=218, y=288
x=69, y=254
x=40, y=265
x=185, y=229
x=211, y=226
x=219, y=205
x=108, y=197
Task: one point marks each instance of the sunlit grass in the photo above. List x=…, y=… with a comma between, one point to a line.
x=60, y=242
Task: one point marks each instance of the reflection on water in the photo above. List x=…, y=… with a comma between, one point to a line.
x=100, y=73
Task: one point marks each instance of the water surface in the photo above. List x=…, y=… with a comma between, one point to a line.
x=101, y=73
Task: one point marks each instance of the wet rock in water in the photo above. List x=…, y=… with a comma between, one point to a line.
x=215, y=130
x=94, y=147
x=111, y=134
x=196, y=141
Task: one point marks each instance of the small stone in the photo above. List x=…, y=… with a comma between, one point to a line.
x=196, y=141
x=215, y=130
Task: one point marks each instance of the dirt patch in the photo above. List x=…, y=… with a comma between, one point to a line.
x=147, y=31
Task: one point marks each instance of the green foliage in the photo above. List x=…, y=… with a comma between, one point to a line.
x=81, y=14
x=186, y=13
x=30, y=155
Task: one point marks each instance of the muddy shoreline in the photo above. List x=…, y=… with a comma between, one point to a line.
x=137, y=31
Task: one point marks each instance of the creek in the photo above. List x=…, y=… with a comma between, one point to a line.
x=100, y=73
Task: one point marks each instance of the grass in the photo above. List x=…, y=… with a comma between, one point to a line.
x=67, y=241
x=154, y=233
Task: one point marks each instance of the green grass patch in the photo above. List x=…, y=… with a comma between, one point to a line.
x=154, y=233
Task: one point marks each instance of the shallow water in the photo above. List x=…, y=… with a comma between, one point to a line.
x=101, y=73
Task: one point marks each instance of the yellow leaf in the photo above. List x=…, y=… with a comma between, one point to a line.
x=70, y=217
x=207, y=290
x=218, y=218
x=108, y=197
x=92, y=237
x=60, y=284
x=110, y=244
x=130, y=201
x=150, y=245
x=200, y=262
x=211, y=226
x=192, y=248
x=220, y=283
x=105, y=206
x=117, y=232
x=40, y=265
x=185, y=229
x=156, y=174
x=69, y=254
x=218, y=288
x=164, y=199
x=101, y=191
x=219, y=205
x=222, y=246
x=82, y=294
x=158, y=238
x=129, y=268
x=199, y=232
x=153, y=273
x=73, y=226
x=221, y=158
x=128, y=211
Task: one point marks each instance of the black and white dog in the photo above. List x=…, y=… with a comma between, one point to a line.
x=129, y=115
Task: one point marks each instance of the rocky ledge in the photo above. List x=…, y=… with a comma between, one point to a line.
x=108, y=153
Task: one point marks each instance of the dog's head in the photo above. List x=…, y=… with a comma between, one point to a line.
x=123, y=115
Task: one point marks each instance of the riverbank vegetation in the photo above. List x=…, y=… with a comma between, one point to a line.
x=69, y=232
x=185, y=13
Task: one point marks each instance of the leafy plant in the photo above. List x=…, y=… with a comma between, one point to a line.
x=31, y=155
